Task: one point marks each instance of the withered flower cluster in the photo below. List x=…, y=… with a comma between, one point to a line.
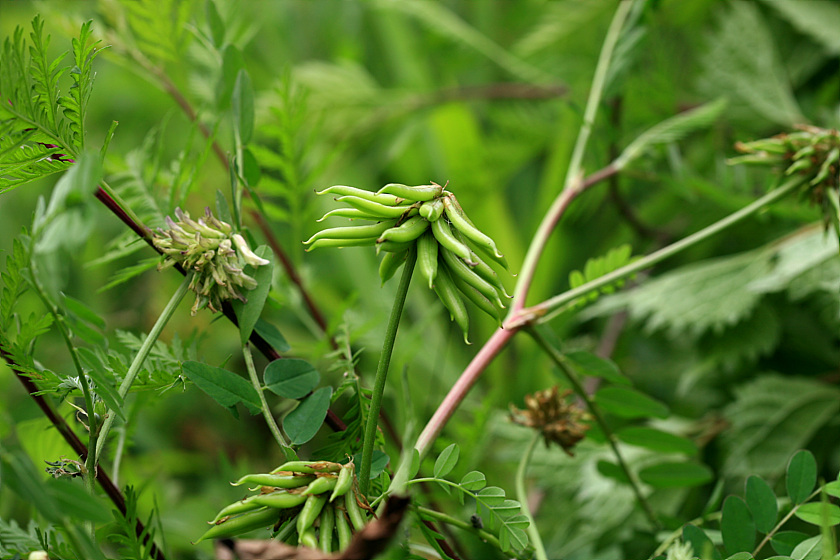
x=559, y=421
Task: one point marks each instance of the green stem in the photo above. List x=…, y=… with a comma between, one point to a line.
x=572, y=184
x=142, y=354
x=554, y=303
x=382, y=371
x=269, y=418
x=448, y=519
x=579, y=390
x=522, y=496
x=784, y=520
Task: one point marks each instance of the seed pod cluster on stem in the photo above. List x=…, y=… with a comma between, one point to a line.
x=313, y=503
x=451, y=250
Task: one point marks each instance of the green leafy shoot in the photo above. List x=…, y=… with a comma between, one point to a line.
x=597, y=267
x=42, y=131
x=132, y=546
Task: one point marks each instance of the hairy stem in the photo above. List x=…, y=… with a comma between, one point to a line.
x=269, y=418
x=522, y=496
x=382, y=370
x=560, y=361
x=142, y=354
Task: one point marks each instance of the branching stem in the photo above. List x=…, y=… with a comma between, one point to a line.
x=382, y=370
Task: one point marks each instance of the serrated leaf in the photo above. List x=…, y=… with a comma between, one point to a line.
x=447, y=460
x=291, y=378
x=225, y=387
x=591, y=365
x=303, y=422
x=629, y=403
x=736, y=526
x=473, y=481
x=676, y=475
x=656, y=440
x=801, y=476
x=819, y=513
x=762, y=503
x=700, y=542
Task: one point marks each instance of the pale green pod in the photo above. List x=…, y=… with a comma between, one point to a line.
x=478, y=299
x=321, y=485
x=276, y=480
x=450, y=296
x=242, y=506
x=458, y=268
x=345, y=481
x=390, y=263
x=341, y=243
x=432, y=210
x=342, y=527
x=352, y=232
x=311, y=509
x=419, y=193
x=241, y=524
x=280, y=500
x=308, y=539
x=406, y=232
x=443, y=234
x=375, y=208
x=308, y=467
x=354, y=512
x=392, y=247
x=460, y=222
x=344, y=190
x=427, y=257
x=352, y=213
x=325, y=532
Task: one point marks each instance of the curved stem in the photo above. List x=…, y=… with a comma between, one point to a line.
x=269, y=418
x=142, y=354
x=449, y=520
x=560, y=361
x=522, y=496
x=382, y=370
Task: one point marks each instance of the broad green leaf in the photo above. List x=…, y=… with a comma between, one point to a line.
x=833, y=488
x=225, y=387
x=291, y=378
x=492, y=496
x=250, y=168
x=215, y=23
x=243, y=106
x=303, y=423
x=819, y=513
x=611, y=470
x=784, y=542
x=656, y=440
x=232, y=63
x=676, y=475
x=591, y=365
x=415, y=463
x=809, y=549
x=223, y=208
x=629, y=403
x=473, y=481
x=378, y=462
x=272, y=335
x=250, y=312
x=762, y=503
x=741, y=556
x=73, y=499
x=801, y=476
x=446, y=460
x=736, y=526
x=700, y=542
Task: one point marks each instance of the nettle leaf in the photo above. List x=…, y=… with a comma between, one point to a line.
x=801, y=476
x=737, y=526
x=819, y=513
x=291, y=378
x=446, y=460
x=676, y=474
x=762, y=503
x=303, y=422
x=225, y=387
x=629, y=403
x=591, y=365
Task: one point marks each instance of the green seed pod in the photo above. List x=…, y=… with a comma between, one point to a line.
x=354, y=512
x=241, y=524
x=353, y=232
x=458, y=268
x=392, y=247
x=321, y=485
x=443, y=234
x=242, y=506
x=343, y=190
x=432, y=210
x=344, y=482
x=325, y=532
x=375, y=208
x=352, y=213
x=308, y=538
x=390, y=263
x=427, y=257
x=477, y=298
x=407, y=232
x=280, y=499
x=460, y=222
x=275, y=480
x=342, y=527
x=416, y=193
x=311, y=509
x=340, y=243
x=451, y=298
x=308, y=467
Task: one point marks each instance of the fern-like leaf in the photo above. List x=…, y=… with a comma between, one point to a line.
x=75, y=102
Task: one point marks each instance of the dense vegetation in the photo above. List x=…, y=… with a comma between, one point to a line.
x=661, y=178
